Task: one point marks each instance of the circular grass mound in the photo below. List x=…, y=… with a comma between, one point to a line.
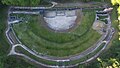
x=35, y=36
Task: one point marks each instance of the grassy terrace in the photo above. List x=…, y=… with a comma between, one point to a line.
x=87, y=56
x=21, y=50
x=37, y=37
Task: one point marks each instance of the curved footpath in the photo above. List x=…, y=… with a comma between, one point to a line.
x=103, y=39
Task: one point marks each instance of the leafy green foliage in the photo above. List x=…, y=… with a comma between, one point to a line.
x=38, y=2
x=5, y=61
x=117, y=2
x=21, y=2
x=111, y=63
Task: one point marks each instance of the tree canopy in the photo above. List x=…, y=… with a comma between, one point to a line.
x=117, y=2
x=38, y=2
x=22, y=2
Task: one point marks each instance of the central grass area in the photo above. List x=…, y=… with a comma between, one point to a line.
x=34, y=35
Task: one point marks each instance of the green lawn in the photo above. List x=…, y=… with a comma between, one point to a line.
x=37, y=37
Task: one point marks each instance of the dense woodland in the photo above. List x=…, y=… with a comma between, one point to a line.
x=13, y=62
x=39, y=2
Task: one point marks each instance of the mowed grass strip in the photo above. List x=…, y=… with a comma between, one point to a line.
x=35, y=36
x=87, y=56
x=35, y=25
x=21, y=50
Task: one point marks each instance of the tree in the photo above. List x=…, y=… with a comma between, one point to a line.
x=110, y=63
x=117, y=2
x=21, y=2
